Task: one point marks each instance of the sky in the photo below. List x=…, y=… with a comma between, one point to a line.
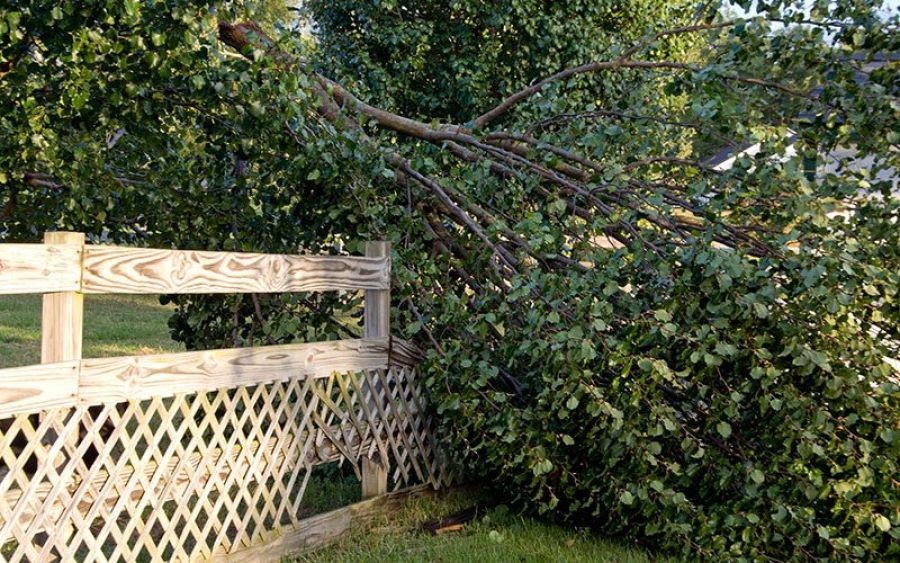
x=889, y=7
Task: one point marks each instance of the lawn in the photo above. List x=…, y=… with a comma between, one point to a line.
x=114, y=325
x=497, y=535
x=128, y=325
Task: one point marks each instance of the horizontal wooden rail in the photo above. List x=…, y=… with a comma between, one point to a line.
x=144, y=377
x=110, y=380
x=53, y=268
x=35, y=388
x=133, y=270
x=39, y=268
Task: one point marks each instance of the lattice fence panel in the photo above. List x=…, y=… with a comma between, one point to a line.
x=196, y=475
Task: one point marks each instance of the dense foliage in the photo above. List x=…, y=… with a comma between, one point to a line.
x=447, y=60
x=618, y=333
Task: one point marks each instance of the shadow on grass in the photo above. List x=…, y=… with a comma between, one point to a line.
x=497, y=535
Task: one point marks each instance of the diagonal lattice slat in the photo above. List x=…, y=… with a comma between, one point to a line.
x=197, y=475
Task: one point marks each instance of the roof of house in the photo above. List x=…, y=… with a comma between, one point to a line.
x=723, y=158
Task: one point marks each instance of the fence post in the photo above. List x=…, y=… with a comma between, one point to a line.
x=62, y=322
x=63, y=314
x=376, y=323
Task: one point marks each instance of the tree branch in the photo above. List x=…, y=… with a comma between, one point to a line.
x=481, y=121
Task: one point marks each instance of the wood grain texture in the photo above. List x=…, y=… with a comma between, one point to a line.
x=62, y=326
x=34, y=388
x=39, y=268
x=325, y=529
x=109, y=269
x=374, y=478
x=405, y=353
x=377, y=320
x=103, y=380
x=62, y=320
x=143, y=377
x=203, y=427
x=376, y=323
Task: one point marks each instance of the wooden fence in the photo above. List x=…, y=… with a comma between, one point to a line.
x=195, y=455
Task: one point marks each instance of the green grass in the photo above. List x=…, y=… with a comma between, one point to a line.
x=499, y=535
x=114, y=325
x=330, y=487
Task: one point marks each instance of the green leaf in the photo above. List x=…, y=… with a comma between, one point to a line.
x=131, y=7
x=761, y=310
x=724, y=429
x=587, y=350
x=542, y=467
x=712, y=359
x=725, y=349
x=662, y=315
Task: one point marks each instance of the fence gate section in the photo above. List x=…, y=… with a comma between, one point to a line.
x=195, y=455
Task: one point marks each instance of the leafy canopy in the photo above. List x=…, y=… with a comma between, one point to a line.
x=448, y=60
x=619, y=333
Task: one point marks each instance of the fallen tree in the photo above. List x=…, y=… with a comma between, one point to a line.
x=621, y=332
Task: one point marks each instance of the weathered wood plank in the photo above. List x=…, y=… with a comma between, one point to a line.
x=376, y=323
x=109, y=269
x=33, y=388
x=405, y=353
x=324, y=529
x=39, y=268
x=374, y=478
x=377, y=311
x=142, y=377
